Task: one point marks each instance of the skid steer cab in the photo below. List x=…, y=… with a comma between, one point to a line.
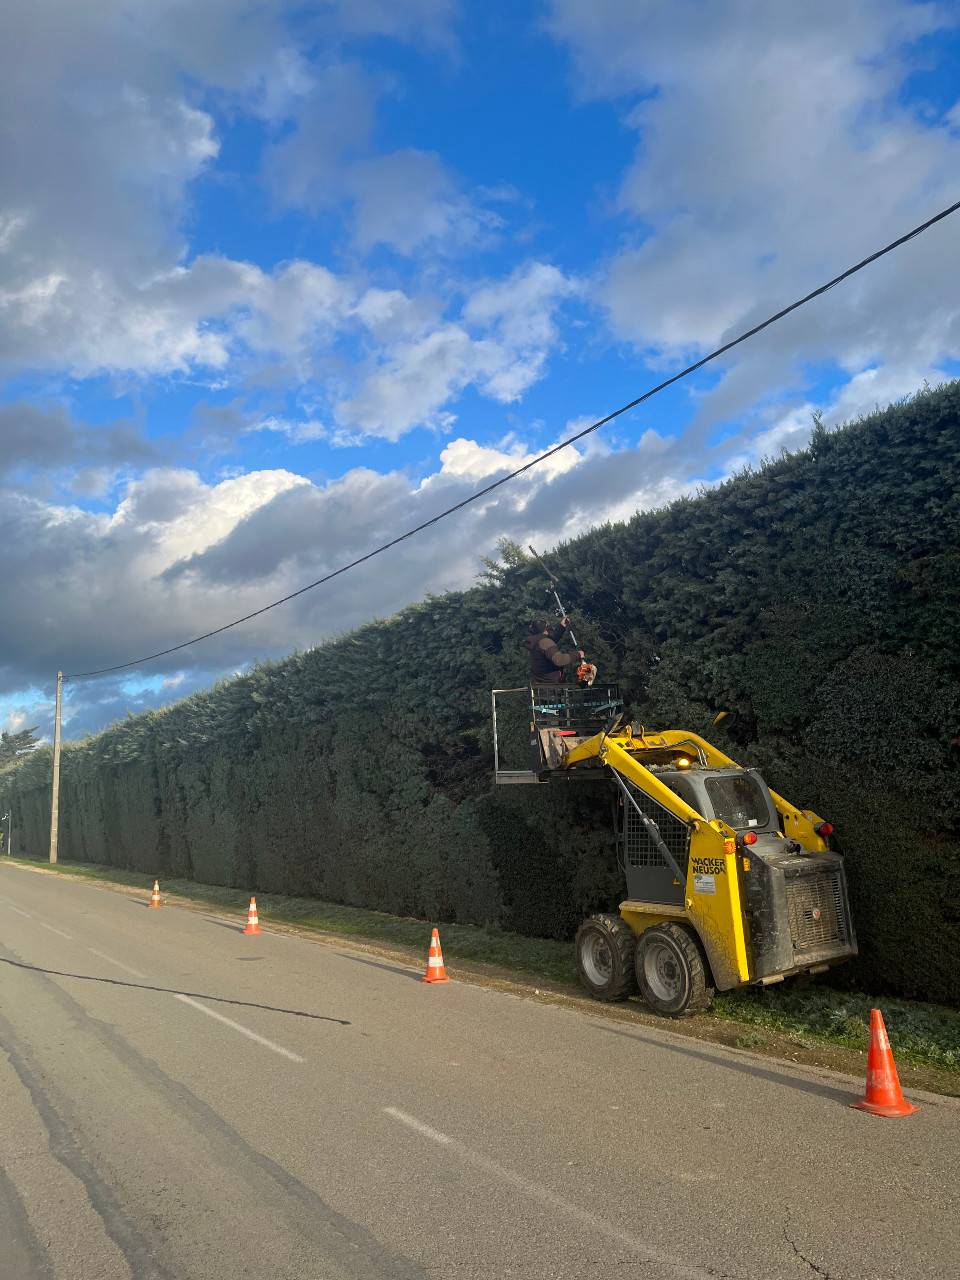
x=727, y=883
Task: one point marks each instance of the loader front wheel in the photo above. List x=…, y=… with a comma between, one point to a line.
x=672, y=973
x=605, y=946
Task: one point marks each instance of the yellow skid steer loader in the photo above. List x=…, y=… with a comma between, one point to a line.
x=727, y=882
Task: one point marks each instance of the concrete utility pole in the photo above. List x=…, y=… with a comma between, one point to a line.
x=55, y=795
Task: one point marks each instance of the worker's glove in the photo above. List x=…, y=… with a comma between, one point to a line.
x=581, y=654
x=564, y=622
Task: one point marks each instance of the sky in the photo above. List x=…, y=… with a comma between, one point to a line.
x=280, y=280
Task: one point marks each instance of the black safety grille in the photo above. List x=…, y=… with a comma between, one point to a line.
x=639, y=849
x=816, y=909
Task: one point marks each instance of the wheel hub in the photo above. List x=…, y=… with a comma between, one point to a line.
x=597, y=960
x=663, y=972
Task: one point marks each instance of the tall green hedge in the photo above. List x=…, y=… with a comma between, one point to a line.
x=817, y=599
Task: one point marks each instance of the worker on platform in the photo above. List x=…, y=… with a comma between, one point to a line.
x=548, y=662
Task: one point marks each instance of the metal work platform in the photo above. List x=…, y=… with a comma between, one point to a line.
x=521, y=715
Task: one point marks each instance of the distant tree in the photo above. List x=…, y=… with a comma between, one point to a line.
x=13, y=745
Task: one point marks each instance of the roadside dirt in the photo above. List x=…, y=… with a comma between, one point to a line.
x=741, y=1037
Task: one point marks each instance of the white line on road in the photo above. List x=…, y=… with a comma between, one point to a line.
x=412, y=1122
x=119, y=963
x=536, y=1191
x=211, y=1013
x=53, y=930
x=244, y=1031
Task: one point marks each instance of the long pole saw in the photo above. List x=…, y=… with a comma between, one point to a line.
x=586, y=671
x=552, y=590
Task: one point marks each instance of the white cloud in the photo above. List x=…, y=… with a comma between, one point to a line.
x=173, y=513
x=468, y=460
x=500, y=345
x=429, y=21
x=97, y=167
x=40, y=440
x=390, y=315
x=411, y=384
x=114, y=112
x=521, y=312
x=864, y=393
x=407, y=200
x=299, y=432
x=117, y=118
x=196, y=316
x=217, y=312
x=178, y=555
x=774, y=149
x=17, y=719
x=329, y=116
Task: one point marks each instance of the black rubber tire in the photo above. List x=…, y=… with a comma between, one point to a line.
x=671, y=970
x=605, y=946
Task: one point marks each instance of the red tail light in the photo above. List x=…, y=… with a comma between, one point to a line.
x=749, y=837
x=824, y=829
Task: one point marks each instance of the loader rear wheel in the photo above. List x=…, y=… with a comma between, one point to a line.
x=672, y=973
x=605, y=946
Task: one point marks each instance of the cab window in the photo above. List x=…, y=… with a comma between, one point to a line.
x=738, y=800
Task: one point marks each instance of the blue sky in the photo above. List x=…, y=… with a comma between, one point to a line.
x=279, y=280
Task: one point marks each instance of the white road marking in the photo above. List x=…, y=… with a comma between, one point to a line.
x=119, y=963
x=548, y=1198
x=244, y=1031
x=53, y=930
x=413, y=1123
x=211, y=1013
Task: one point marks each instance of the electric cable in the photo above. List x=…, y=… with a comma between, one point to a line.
x=527, y=466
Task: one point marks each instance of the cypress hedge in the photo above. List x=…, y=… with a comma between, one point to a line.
x=817, y=599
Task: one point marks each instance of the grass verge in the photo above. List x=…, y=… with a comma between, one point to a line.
x=789, y=1020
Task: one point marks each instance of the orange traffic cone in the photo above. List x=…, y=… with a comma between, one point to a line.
x=435, y=970
x=253, y=924
x=884, y=1096
x=155, y=896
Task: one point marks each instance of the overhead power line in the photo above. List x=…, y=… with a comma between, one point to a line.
x=534, y=462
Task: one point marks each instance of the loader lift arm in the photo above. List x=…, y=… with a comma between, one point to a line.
x=798, y=824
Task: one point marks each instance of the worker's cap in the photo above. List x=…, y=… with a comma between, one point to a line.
x=537, y=625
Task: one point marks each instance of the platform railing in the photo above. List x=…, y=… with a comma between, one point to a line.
x=518, y=713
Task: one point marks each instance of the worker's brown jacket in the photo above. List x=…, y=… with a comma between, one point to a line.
x=546, y=659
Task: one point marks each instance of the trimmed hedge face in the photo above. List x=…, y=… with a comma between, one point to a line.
x=818, y=600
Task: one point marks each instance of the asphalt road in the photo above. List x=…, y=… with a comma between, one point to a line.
x=180, y=1101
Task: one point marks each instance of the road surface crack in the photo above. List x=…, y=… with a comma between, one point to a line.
x=820, y=1271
